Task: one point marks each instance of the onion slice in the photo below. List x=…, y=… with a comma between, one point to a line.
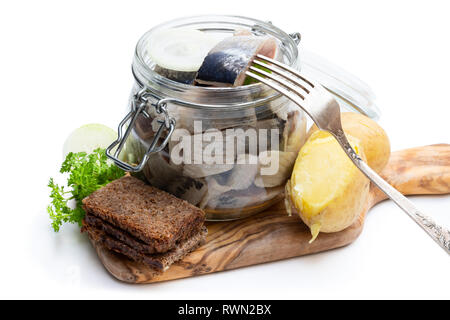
x=180, y=49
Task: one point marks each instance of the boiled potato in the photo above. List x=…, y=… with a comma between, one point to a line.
x=372, y=137
x=326, y=188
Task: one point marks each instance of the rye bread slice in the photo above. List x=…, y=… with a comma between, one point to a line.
x=123, y=236
x=153, y=216
x=158, y=262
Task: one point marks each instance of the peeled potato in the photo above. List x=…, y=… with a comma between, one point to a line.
x=326, y=188
x=372, y=137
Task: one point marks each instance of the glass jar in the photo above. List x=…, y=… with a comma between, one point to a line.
x=228, y=150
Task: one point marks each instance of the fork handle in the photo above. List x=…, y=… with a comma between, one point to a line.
x=438, y=233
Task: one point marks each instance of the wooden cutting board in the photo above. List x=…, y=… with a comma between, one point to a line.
x=272, y=235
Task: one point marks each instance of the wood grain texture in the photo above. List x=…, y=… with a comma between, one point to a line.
x=272, y=235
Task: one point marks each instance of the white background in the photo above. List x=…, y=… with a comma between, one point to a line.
x=64, y=64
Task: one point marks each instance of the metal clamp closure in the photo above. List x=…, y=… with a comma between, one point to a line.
x=296, y=36
x=139, y=104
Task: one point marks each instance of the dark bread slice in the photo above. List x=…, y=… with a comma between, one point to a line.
x=155, y=217
x=158, y=262
x=123, y=236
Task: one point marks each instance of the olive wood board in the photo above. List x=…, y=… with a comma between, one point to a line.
x=273, y=235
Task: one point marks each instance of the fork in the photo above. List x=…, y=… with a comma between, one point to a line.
x=324, y=110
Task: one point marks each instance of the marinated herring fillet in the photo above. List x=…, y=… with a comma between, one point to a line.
x=189, y=189
x=150, y=215
x=284, y=163
x=243, y=198
x=227, y=62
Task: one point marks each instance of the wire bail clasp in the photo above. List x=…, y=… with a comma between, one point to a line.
x=139, y=104
x=296, y=36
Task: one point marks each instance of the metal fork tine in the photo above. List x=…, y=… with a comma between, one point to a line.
x=281, y=81
x=274, y=84
x=302, y=84
x=285, y=67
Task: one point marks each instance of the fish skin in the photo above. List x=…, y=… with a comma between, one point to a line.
x=226, y=63
x=220, y=67
x=191, y=190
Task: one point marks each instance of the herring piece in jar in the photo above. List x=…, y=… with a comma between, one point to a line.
x=282, y=164
x=189, y=189
x=226, y=64
x=179, y=52
x=188, y=119
x=293, y=138
x=214, y=189
x=242, y=32
x=165, y=175
x=205, y=170
x=240, y=199
x=200, y=155
x=161, y=171
x=244, y=172
x=294, y=132
x=241, y=177
x=211, y=152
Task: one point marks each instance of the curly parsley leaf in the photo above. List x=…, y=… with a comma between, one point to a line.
x=87, y=173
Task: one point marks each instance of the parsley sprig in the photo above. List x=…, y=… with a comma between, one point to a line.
x=87, y=173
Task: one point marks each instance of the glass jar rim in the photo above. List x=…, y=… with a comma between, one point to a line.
x=227, y=96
